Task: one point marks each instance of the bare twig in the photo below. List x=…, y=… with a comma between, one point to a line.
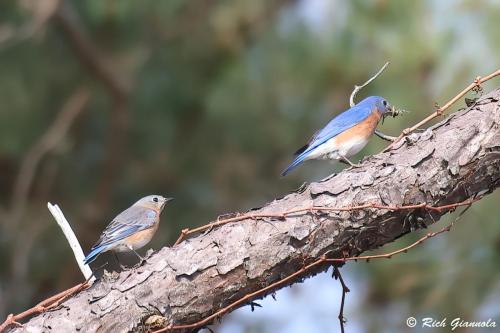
x=358, y=88
x=336, y=274
x=41, y=11
x=53, y=137
x=440, y=110
x=88, y=53
x=283, y=215
x=43, y=306
x=72, y=240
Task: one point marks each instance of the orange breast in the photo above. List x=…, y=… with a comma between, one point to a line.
x=141, y=238
x=362, y=130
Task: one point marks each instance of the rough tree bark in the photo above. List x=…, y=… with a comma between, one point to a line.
x=456, y=159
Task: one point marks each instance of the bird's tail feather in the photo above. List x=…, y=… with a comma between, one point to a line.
x=93, y=254
x=299, y=159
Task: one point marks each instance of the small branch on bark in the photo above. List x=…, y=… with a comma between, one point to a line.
x=72, y=240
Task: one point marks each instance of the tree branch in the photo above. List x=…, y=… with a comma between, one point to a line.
x=118, y=85
x=50, y=139
x=88, y=54
x=452, y=163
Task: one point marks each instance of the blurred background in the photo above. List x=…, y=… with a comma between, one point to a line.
x=105, y=101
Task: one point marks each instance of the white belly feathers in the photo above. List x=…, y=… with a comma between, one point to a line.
x=332, y=150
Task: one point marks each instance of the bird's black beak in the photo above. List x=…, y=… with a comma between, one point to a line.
x=169, y=199
x=391, y=112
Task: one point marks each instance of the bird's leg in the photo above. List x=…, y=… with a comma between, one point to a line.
x=141, y=259
x=118, y=261
x=346, y=160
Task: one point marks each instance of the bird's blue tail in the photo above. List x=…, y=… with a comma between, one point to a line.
x=93, y=254
x=299, y=159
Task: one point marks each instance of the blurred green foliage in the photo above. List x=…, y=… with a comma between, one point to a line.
x=218, y=95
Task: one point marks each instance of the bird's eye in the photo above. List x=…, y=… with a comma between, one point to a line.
x=155, y=199
x=384, y=102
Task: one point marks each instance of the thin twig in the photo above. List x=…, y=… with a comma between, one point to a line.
x=440, y=110
x=88, y=53
x=242, y=300
x=253, y=216
x=345, y=290
x=43, y=306
x=72, y=240
x=358, y=88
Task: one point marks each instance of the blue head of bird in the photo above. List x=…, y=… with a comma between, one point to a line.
x=380, y=104
x=154, y=201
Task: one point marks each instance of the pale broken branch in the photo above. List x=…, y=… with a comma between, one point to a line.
x=72, y=240
x=358, y=88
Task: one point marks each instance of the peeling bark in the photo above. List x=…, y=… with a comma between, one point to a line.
x=456, y=159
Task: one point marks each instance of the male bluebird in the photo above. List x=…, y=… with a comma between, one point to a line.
x=345, y=135
x=131, y=229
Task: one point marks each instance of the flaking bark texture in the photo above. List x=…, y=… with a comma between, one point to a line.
x=456, y=159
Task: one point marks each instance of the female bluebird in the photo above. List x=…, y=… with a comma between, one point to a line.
x=131, y=229
x=345, y=135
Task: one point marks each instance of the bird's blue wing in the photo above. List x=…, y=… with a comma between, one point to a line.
x=337, y=125
x=108, y=238
x=127, y=223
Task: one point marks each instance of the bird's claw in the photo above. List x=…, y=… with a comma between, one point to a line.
x=141, y=263
x=346, y=161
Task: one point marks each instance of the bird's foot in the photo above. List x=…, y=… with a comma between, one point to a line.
x=142, y=260
x=141, y=263
x=122, y=267
x=346, y=161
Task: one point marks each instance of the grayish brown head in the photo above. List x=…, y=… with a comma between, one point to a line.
x=154, y=201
